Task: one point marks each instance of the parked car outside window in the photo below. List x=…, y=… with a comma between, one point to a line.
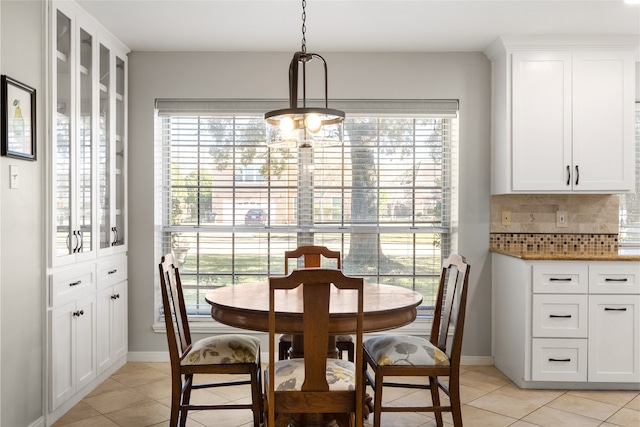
x=255, y=217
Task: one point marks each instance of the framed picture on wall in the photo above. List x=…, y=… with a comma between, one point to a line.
x=18, y=111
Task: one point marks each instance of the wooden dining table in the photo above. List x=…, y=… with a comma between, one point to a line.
x=246, y=306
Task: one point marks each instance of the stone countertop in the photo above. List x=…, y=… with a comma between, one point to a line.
x=621, y=255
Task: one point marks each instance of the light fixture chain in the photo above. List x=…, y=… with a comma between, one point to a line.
x=304, y=27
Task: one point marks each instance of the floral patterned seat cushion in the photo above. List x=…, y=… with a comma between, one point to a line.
x=290, y=374
x=223, y=349
x=405, y=350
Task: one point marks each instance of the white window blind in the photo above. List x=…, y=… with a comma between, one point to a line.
x=629, y=233
x=231, y=206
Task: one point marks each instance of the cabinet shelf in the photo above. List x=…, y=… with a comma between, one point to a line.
x=62, y=56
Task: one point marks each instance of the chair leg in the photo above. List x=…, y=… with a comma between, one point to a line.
x=256, y=397
x=283, y=349
x=176, y=398
x=377, y=399
x=435, y=399
x=186, y=398
x=454, y=398
x=347, y=346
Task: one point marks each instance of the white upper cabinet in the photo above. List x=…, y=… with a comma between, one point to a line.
x=88, y=138
x=562, y=116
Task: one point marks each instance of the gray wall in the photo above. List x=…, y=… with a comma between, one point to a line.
x=463, y=76
x=22, y=216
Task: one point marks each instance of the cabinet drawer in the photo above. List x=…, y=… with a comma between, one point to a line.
x=111, y=272
x=559, y=360
x=562, y=278
x=614, y=278
x=68, y=285
x=560, y=316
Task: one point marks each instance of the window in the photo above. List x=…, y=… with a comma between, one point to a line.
x=629, y=234
x=231, y=206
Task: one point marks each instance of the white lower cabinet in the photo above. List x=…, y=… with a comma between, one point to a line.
x=558, y=322
x=88, y=339
x=111, y=325
x=614, y=338
x=73, y=363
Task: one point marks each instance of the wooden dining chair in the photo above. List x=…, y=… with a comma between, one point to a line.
x=220, y=354
x=315, y=384
x=312, y=256
x=414, y=356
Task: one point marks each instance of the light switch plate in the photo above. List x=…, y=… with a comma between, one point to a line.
x=506, y=218
x=562, y=219
x=13, y=176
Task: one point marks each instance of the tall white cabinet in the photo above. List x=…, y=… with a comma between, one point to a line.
x=87, y=215
x=563, y=115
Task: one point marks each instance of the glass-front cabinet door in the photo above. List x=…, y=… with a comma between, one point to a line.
x=73, y=140
x=112, y=149
x=88, y=139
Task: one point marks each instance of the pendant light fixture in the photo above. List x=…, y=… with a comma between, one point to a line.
x=304, y=126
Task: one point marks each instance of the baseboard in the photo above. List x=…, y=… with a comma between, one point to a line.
x=476, y=360
x=148, y=356
x=163, y=356
x=38, y=423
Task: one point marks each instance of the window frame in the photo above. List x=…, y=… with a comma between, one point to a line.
x=188, y=108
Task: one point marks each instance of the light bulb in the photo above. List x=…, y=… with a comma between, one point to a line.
x=313, y=123
x=286, y=125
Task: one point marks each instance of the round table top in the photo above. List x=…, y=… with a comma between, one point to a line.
x=246, y=306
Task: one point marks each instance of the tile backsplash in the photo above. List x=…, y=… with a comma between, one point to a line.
x=591, y=223
x=536, y=213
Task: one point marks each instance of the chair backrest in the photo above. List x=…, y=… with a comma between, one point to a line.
x=451, y=306
x=311, y=256
x=175, y=314
x=316, y=286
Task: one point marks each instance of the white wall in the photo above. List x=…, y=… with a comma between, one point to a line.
x=22, y=228
x=463, y=76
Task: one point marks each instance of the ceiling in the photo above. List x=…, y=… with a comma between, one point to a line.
x=352, y=25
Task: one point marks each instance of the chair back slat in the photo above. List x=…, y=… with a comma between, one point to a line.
x=316, y=285
x=175, y=313
x=451, y=304
x=311, y=256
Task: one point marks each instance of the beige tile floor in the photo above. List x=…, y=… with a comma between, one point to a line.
x=138, y=395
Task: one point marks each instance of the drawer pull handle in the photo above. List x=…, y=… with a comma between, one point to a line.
x=112, y=271
x=562, y=316
x=614, y=309
x=559, y=360
x=557, y=279
x=75, y=283
x=78, y=313
x=115, y=296
x=615, y=280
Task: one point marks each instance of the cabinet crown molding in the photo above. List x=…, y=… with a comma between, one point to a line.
x=562, y=42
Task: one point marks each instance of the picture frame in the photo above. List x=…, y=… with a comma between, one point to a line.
x=18, y=111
